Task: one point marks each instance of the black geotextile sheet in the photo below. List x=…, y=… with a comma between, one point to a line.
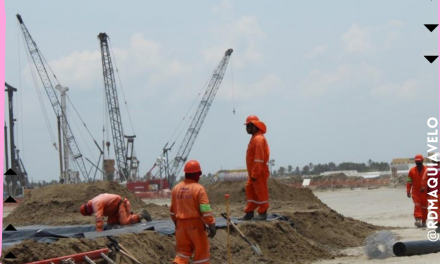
x=50, y=234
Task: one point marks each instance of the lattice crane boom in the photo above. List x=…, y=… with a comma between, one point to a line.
x=113, y=108
x=199, y=117
x=42, y=72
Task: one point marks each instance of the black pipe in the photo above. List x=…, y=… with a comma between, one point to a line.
x=410, y=248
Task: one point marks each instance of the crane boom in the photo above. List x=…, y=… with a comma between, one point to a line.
x=16, y=163
x=39, y=65
x=113, y=107
x=200, y=115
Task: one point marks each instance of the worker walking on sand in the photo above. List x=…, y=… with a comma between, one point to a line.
x=431, y=177
x=116, y=208
x=191, y=212
x=414, y=190
x=257, y=158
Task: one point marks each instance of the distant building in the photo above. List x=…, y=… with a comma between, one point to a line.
x=355, y=173
x=402, y=164
x=348, y=173
x=405, y=164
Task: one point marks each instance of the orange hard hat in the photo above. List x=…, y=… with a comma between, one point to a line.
x=251, y=118
x=418, y=157
x=261, y=126
x=192, y=166
x=83, y=209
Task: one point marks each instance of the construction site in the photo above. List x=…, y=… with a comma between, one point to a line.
x=331, y=216
x=312, y=231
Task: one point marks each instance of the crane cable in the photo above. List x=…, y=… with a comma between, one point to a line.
x=20, y=93
x=125, y=100
x=191, y=108
x=233, y=97
x=40, y=99
x=84, y=124
x=182, y=128
x=105, y=125
x=188, y=121
x=120, y=84
x=62, y=113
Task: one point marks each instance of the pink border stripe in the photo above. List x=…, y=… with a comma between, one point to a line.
x=2, y=96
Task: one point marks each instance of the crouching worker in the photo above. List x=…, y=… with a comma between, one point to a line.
x=190, y=211
x=116, y=208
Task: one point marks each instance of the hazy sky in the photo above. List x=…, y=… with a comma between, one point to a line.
x=333, y=80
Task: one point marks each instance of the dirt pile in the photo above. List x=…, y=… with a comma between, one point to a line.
x=279, y=242
x=149, y=247
x=318, y=232
x=59, y=204
x=330, y=229
x=277, y=192
x=312, y=218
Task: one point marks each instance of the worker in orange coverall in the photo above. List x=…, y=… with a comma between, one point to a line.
x=414, y=189
x=191, y=212
x=257, y=158
x=116, y=208
x=433, y=189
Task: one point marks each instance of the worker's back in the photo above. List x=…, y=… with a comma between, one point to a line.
x=185, y=200
x=107, y=203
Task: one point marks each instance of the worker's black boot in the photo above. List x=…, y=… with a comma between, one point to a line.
x=418, y=222
x=248, y=216
x=145, y=215
x=260, y=217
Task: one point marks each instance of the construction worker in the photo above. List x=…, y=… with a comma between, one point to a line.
x=433, y=173
x=257, y=158
x=116, y=208
x=414, y=190
x=191, y=212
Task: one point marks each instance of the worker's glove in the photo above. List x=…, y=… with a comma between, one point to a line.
x=408, y=194
x=212, y=231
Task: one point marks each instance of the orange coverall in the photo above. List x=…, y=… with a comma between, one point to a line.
x=113, y=206
x=190, y=211
x=257, y=157
x=420, y=199
x=434, y=173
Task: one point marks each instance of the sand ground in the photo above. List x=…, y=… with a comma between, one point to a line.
x=7, y=210
x=383, y=206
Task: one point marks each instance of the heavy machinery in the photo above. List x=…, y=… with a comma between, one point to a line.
x=128, y=165
x=47, y=83
x=13, y=182
x=156, y=181
x=199, y=117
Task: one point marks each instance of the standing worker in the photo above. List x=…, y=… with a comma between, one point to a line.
x=191, y=212
x=257, y=158
x=117, y=209
x=414, y=189
x=434, y=174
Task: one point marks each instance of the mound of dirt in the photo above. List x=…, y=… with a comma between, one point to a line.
x=148, y=247
x=312, y=218
x=277, y=191
x=279, y=242
x=59, y=204
x=330, y=229
x=318, y=233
